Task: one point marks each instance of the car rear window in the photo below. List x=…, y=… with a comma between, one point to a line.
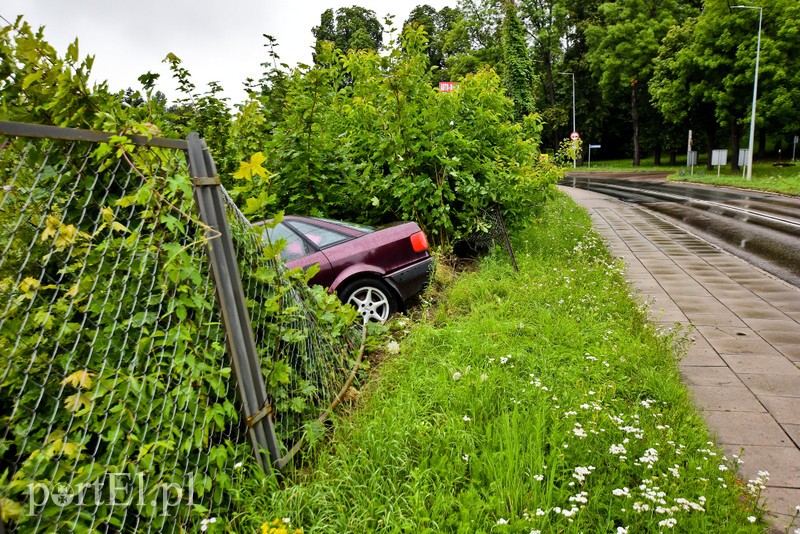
x=321, y=237
x=295, y=246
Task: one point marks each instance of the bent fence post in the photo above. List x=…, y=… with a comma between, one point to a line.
x=230, y=294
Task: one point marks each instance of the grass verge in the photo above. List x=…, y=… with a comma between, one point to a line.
x=766, y=176
x=784, y=180
x=524, y=402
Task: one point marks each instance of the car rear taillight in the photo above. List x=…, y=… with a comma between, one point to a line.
x=419, y=242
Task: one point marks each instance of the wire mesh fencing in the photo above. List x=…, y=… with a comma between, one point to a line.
x=119, y=401
x=491, y=232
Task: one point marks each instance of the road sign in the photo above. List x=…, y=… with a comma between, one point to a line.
x=574, y=136
x=590, y=153
x=446, y=87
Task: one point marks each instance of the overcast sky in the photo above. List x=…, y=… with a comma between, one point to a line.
x=217, y=40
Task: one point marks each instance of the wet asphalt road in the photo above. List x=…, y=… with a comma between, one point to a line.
x=762, y=228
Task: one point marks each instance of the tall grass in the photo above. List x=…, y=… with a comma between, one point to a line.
x=523, y=402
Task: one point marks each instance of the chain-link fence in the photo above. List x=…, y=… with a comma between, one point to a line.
x=130, y=393
x=491, y=232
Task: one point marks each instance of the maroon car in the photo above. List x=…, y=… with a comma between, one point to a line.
x=374, y=269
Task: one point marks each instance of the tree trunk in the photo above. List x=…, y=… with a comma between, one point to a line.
x=762, y=143
x=673, y=157
x=657, y=155
x=635, y=117
x=736, y=132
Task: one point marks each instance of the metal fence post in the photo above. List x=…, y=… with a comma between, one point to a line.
x=505, y=237
x=230, y=294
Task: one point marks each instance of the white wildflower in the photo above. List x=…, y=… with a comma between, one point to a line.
x=456, y=376
x=581, y=472
x=669, y=522
x=393, y=347
x=617, y=449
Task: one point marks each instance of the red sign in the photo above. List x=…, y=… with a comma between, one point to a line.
x=574, y=136
x=446, y=87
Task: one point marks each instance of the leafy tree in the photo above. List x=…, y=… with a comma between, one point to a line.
x=475, y=39
x=705, y=71
x=779, y=67
x=518, y=67
x=679, y=84
x=596, y=117
x=388, y=146
x=36, y=85
x=623, y=44
x=205, y=113
x=437, y=26
x=350, y=28
x=546, y=24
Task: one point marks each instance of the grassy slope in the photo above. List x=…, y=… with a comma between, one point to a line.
x=502, y=409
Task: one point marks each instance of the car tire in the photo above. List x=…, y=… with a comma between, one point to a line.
x=371, y=298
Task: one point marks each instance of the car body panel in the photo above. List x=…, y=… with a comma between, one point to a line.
x=362, y=252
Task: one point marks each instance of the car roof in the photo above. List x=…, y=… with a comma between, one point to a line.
x=349, y=228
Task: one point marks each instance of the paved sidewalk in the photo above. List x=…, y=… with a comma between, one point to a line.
x=744, y=367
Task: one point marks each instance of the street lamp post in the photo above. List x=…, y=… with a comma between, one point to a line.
x=755, y=92
x=574, y=161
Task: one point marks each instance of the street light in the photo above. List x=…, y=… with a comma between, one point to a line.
x=755, y=91
x=574, y=161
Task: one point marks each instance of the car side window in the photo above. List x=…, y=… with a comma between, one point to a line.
x=295, y=246
x=321, y=237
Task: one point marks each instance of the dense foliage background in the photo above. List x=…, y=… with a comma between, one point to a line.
x=646, y=71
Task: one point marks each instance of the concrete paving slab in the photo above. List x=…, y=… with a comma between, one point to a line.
x=782, y=463
x=773, y=364
x=767, y=325
x=711, y=319
x=714, y=332
x=725, y=398
x=743, y=304
x=786, y=410
x=748, y=429
x=775, y=385
x=742, y=345
x=760, y=312
x=710, y=376
x=794, y=433
x=700, y=357
x=783, y=503
x=780, y=337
